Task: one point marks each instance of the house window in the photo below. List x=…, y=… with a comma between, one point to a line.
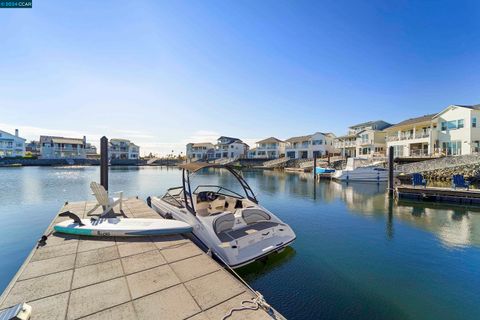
x=444, y=125
x=460, y=124
x=474, y=122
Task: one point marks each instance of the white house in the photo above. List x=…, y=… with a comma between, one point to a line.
x=123, y=149
x=200, y=151
x=316, y=145
x=11, y=145
x=269, y=148
x=415, y=137
x=453, y=131
x=228, y=147
x=458, y=130
x=62, y=148
x=365, y=139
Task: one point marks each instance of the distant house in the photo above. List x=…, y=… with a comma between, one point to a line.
x=311, y=146
x=200, y=151
x=228, y=147
x=62, y=148
x=269, y=148
x=11, y=145
x=365, y=139
x=33, y=148
x=123, y=149
x=91, y=151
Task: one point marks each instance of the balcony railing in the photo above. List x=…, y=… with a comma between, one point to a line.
x=418, y=135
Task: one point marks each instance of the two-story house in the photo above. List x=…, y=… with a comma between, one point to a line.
x=200, y=151
x=458, y=130
x=123, y=149
x=269, y=148
x=11, y=145
x=365, y=139
x=311, y=146
x=228, y=147
x=62, y=148
x=415, y=137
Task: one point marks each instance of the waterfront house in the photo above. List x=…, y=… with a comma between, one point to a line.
x=62, y=148
x=11, y=145
x=415, y=137
x=200, y=151
x=32, y=148
x=458, y=130
x=365, y=139
x=228, y=147
x=269, y=148
x=91, y=151
x=315, y=145
x=123, y=149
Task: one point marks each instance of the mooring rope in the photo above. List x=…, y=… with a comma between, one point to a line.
x=258, y=302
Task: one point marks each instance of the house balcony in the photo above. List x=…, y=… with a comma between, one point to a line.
x=402, y=137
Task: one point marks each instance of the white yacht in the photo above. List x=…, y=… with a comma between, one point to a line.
x=233, y=226
x=359, y=169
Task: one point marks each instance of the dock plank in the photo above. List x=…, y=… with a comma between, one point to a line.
x=73, y=277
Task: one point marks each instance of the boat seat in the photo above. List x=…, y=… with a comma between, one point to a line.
x=224, y=223
x=254, y=215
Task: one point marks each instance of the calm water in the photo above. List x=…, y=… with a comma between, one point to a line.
x=357, y=254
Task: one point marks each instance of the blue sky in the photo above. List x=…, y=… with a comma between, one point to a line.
x=163, y=73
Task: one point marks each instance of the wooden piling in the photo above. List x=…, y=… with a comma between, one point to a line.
x=104, y=162
x=390, y=171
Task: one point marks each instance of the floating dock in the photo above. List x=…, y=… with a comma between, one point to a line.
x=438, y=194
x=162, y=277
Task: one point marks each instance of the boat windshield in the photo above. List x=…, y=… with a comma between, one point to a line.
x=174, y=196
x=217, y=190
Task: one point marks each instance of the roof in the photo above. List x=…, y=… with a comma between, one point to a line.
x=473, y=107
x=363, y=124
x=14, y=136
x=61, y=140
x=195, y=166
x=201, y=144
x=424, y=118
x=269, y=140
x=299, y=138
x=232, y=140
x=67, y=140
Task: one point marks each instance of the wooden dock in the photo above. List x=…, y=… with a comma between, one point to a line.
x=438, y=194
x=163, y=277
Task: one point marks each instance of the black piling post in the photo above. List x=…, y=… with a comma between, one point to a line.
x=390, y=171
x=104, y=162
x=314, y=168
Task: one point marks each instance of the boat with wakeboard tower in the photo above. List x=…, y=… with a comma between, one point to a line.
x=233, y=226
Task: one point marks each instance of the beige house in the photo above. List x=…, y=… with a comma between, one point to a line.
x=312, y=146
x=199, y=151
x=269, y=148
x=415, y=137
x=365, y=139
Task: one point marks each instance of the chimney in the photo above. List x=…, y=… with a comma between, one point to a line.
x=16, y=132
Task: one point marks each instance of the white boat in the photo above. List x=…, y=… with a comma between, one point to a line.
x=233, y=226
x=359, y=169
